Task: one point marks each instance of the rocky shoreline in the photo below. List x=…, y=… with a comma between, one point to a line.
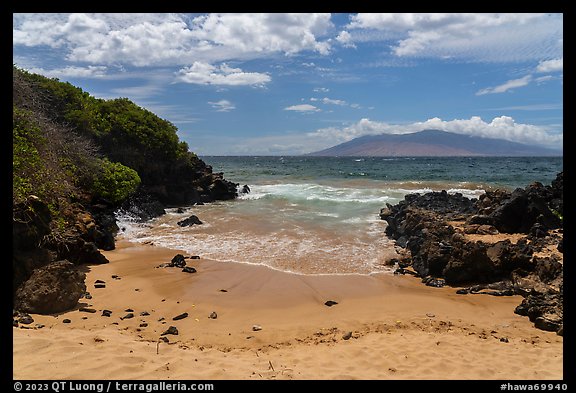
x=47, y=264
x=504, y=243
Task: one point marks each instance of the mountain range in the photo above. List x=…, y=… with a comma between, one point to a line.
x=433, y=143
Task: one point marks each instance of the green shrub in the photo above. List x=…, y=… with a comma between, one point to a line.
x=28, y=170
x=115, y=182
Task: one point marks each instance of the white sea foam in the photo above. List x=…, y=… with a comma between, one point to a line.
x=306, y=228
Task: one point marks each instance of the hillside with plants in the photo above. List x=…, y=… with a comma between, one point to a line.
x=77, y=159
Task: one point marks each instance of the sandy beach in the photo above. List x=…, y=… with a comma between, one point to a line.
x=382, y=327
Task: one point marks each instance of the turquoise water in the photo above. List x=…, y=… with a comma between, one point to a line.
x=319, y=215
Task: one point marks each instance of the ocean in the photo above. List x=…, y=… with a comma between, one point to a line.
x=320, y=215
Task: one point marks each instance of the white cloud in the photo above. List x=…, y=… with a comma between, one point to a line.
x=222, y=105
x=543, y=79
x=503, y=127
x=72, y=72
x=511, y=84
x=302, y=108
x=264, y=33
x=207, y=74
x=321, y=90
x=172, y=39
x=545, y=66
x=330, y=101
x=49, y=29
x=553, y=65
x=472, y=36
x=345, y=39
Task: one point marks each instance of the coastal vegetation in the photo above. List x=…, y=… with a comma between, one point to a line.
x=77, y=158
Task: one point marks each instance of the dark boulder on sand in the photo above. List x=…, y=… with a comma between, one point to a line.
x=51, y=289
x=178, y=260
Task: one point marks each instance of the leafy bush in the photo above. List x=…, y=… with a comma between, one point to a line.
x=80, y=129
x=115, y=182
x=28, y=169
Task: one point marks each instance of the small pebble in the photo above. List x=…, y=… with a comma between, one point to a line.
x=171, y=330
x=181, y=316
x=26, y=319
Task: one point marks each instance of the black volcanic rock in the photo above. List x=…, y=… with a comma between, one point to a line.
x=439, y=251
x=192, y=220
x=523, y=208
x=178, y=260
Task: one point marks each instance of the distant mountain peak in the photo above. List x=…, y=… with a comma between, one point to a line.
x=431, y=142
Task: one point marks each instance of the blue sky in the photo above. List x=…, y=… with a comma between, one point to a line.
x=287, y=84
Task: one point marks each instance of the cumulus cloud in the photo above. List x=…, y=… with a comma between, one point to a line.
x=553, y=65
x=345, y=39
x=472, y=36
x=222, y=105
x=207, y=74
x=257, y=33
x=504, y=87
x=302, y=108
x=172, y=39
x=503, y=127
